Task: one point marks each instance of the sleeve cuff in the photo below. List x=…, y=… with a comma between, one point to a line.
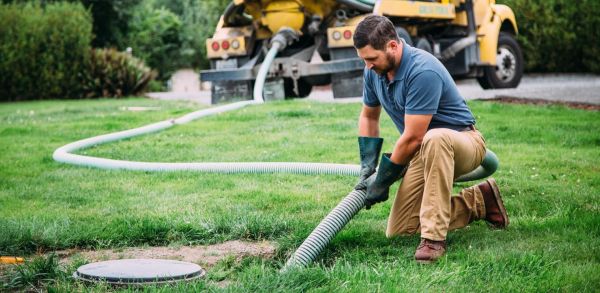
x=420, y=111
x=371, y=104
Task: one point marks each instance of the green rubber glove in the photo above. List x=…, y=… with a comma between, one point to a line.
x=369, y=148
x=378, y=185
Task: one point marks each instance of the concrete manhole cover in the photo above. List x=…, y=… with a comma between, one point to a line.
x=139, y=271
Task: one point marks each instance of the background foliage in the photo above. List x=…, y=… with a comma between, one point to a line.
x=111, y=21
x=46, y=53
x=197, y=21
x=559, y=35
x=42, y=51
x=154, y=37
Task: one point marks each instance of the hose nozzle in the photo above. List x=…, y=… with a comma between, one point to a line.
x=11, y=260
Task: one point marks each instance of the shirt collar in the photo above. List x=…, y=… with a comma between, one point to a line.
x=406, y=56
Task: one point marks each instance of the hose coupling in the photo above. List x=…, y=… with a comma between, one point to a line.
x=284, y=37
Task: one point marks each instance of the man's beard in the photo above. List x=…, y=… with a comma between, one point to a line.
x=389, y=57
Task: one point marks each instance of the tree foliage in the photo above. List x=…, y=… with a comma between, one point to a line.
x=198, y=22
x=559, y=35
x=111, y=21
x=155, y=37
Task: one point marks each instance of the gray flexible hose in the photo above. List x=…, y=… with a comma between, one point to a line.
x=358, y=5
x=326, y=230
x=488, y=167
x=458, y=46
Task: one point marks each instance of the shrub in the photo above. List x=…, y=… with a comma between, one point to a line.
x=115, y=74
x=43, y=50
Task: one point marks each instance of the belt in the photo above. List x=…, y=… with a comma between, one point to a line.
x=468, y=128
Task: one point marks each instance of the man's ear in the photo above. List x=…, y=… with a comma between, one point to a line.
x=393, y=45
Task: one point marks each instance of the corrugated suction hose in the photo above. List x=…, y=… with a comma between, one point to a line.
x=326, y=230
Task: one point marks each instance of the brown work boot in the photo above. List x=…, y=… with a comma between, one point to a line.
x=429, y=251
x=495, y=212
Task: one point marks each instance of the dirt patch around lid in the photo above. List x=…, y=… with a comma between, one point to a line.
x=515, y=100
x=205, y=255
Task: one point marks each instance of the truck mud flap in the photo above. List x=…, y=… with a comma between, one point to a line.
x=225, y=91
x=347, y=85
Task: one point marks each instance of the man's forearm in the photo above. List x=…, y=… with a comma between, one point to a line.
x=368, y=127
x=405, y=149
x=410, y=141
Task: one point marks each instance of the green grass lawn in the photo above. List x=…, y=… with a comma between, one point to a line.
x=549, y=175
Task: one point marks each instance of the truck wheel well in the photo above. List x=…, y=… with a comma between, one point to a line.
x=508, y=27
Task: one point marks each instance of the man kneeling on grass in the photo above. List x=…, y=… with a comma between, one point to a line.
x=438, y=142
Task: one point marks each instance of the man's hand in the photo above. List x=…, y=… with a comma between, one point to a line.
x=376, y=193
x=378, y=184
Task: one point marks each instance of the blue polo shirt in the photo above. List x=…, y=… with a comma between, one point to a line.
x=422, y=85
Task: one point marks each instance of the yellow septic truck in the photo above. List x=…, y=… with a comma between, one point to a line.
x=472, y=38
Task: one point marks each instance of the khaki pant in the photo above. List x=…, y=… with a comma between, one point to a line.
x=424, y=202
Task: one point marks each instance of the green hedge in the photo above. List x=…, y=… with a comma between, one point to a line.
x=45, y=53
x=43, y=50
x=559, y=35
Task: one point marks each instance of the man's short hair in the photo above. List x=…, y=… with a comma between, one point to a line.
x=374, y=30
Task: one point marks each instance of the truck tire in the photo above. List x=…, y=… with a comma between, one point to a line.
x=304, y=88
x=509, y=68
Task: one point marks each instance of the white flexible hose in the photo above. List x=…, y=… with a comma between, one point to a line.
x=262, y=72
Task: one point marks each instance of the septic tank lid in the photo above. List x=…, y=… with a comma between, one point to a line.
x=139, y=271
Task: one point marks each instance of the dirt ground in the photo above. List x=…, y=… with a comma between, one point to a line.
x=206, y=255
x=514, y=100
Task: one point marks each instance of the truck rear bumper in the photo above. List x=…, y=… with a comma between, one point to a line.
x=285, y=67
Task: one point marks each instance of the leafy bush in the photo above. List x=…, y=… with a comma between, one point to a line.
x=43, y=50
x=559, y=35
x=115, y=74
x=154, y=37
